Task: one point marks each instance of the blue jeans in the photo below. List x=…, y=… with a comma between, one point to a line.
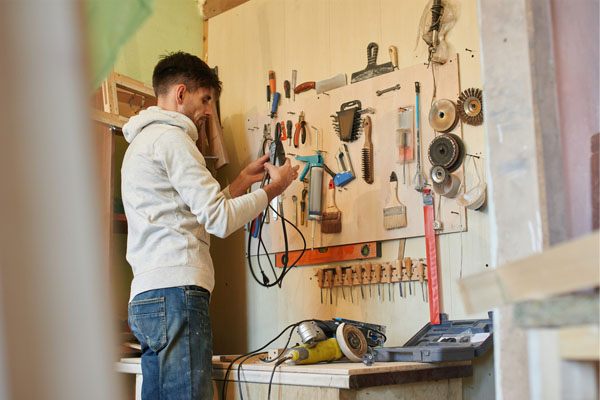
x=173, y=327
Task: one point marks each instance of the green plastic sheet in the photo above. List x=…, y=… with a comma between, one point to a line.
x=110, y=23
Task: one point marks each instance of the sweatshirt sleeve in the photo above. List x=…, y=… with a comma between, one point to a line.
x=214, y=208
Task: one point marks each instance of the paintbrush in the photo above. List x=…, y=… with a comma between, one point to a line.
x=394, y=214
x=367, y=152
x=332, y=216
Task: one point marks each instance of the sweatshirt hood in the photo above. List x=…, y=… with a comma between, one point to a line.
x=156, y=115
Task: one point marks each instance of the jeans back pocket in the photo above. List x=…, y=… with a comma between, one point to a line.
x=147, y=320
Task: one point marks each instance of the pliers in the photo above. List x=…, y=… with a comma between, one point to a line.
x=300, y=126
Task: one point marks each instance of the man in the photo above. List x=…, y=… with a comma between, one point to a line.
x=173, y=204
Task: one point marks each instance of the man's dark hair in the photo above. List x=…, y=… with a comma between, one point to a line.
x=180, y=67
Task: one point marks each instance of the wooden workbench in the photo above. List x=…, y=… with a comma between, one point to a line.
x=330, y=381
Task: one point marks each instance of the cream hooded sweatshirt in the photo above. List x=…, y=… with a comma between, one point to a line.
x=173, y=203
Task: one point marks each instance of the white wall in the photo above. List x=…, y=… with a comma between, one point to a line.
x=320, y=38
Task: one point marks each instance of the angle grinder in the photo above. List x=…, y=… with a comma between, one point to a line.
x=326, y=341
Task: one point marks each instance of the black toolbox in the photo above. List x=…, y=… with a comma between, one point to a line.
x=448, y=341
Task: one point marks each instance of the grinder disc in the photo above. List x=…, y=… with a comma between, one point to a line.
x=443, y=116
x=443, y=151
x=470, y=105
x=352, y=342
x=461, y=153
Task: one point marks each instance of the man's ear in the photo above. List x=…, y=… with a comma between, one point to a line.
x=180, y=92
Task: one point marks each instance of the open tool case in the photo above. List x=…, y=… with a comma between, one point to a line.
x=448, y=341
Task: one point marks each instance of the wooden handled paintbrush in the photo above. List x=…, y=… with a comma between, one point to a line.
x=332, y=216
x=394, y=214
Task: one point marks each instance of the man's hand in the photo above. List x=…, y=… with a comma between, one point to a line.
x=252, y=173
x=281, y=178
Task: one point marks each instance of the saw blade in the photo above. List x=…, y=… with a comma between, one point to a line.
x=470, y=106
x=442, y=116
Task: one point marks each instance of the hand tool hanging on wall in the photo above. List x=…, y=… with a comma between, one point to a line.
x=388, y=279
x=404, y=137
x=368, y=270
x=419, y=179
x=300, y=130
x=470, y=106
x=329, y=275
x=443, y=116
x=268, y=97
x=421, y=276
x=349, y=282
x=286, y=89
x=283, y=131
x=332, y=216
x=347, y=172
x=432, y=277
x=347, y=121
x=390, y=89
x=320, y=281
x=372, y=69
x=394, y=214
x=407, y=273
x=274, y=94
x=358, y=278
x=289, y=126
x=325, y=85
x=295, y=213
x=393, y=50
x=367, y=152
x=294, y=76
x=377, y=279
x=339, y=278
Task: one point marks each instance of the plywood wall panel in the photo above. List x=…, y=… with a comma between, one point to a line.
x=319, y=39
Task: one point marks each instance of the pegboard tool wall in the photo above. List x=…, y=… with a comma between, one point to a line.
x=361, y=203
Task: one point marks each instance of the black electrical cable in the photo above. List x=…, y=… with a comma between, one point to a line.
x=286, y=267
x=277, y=364
x=224, y=391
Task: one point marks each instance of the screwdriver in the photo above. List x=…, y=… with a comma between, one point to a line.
x=358, y=273
x=289, y=125
x=329, y=275
x=340, y=278
x=409, y=271
x=377, y=279
x=388, y=279
x=286, y=88
x=368, y=269
x=421, y=275
x=320, y=282
x=268, y=97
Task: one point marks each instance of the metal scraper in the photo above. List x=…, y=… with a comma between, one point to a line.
x=372, y=69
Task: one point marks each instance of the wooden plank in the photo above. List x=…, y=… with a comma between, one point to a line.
x=537, y=277
x=569, y=309
x=133, y=85
x=108, y=119
x=109, y=95
x=341, y=368
x=323, y=255
x=580, y=343
x=410, y=376
x=213, y=8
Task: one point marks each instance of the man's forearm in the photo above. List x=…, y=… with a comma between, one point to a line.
x=239, y=185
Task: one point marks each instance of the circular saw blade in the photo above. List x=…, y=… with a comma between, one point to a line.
x=443, y=151
x=443, y=116
x=352, y=342
x=470, y=106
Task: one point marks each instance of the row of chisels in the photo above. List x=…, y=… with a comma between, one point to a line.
x=362, y=279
